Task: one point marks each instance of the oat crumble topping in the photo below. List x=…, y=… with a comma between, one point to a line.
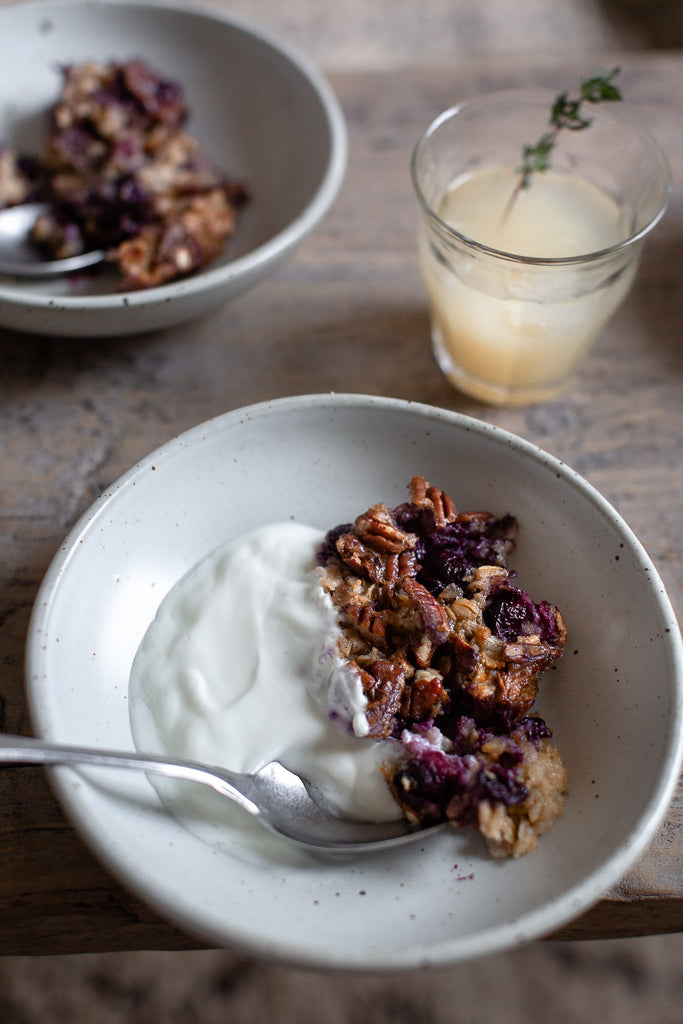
x=450, y=652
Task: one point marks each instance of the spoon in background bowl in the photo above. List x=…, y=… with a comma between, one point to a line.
x=20, y=257
x=276, y=797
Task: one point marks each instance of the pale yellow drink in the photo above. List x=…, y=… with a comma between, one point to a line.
x=503, y=331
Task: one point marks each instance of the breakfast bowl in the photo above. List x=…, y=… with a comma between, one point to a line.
x=614, y=700
x=261, y=113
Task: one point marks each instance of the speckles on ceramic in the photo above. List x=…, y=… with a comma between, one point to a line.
x=615, y=699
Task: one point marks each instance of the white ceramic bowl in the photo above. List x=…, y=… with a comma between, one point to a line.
x=259, y=109
x=615, y=702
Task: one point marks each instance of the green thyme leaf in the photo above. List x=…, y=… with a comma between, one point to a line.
x=599, y=88
x=566, y=113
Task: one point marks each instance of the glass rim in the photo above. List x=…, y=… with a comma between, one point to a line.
x=536, y=261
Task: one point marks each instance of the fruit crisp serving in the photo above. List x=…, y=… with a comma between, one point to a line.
x=122, y=173
x=449, y=652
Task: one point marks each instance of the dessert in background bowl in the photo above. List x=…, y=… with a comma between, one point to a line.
x=119, y=173
x=614, y=700
x=261, y=113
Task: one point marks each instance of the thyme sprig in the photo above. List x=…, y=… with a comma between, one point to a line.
x=566, y=113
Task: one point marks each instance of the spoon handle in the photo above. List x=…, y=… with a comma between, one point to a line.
x=27, y=750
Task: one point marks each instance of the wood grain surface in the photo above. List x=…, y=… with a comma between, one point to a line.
x=347, y=314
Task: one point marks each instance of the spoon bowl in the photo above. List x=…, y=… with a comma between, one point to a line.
x=274, y=796
x=20, y=257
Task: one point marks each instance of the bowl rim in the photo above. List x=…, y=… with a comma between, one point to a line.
x=543, y=919
x=275, y=247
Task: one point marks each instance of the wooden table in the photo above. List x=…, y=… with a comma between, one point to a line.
x=346, y=314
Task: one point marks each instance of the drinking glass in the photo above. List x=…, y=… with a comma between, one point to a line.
x=511, y=328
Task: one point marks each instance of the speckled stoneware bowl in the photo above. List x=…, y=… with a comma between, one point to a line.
x=259, y=109
x=615, y=701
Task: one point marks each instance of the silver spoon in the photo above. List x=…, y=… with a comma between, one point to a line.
x=20, y=257
x=274, y=796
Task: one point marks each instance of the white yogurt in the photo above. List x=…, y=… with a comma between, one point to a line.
x=239, y=667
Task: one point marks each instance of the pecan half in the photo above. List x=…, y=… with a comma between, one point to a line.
x=383, y=684
x=433, y=614
x=425, y=698
x=362, y=559
x=426, y=496
x=377, y=528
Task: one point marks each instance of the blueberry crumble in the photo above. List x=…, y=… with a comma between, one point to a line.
x=122, y=173
x=449, y=653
